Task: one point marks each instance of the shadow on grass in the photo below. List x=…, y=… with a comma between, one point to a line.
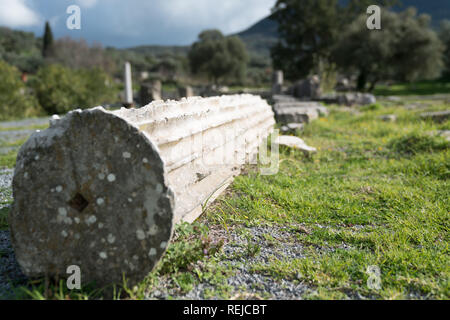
x=418, y=88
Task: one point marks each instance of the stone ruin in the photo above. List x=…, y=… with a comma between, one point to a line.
x=103, y=190
x=150, y=91
x=356, y=98
x=295, y=109
x=309, y=89
x=277, y=82
x=128, y=86
x=185, y=91
x=293, y=113
x=439, y=116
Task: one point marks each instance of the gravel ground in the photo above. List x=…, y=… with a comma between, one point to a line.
x=11, y=136
x=15, y=135
x=24, y=123
x=246, y=284
x=10, y=274
x=9, y=269
x=6, y=176
x=6, y=150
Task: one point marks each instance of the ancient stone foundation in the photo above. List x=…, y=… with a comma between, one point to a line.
x=103, y=190
x=290, y=112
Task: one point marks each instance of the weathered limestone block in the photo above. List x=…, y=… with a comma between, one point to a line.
x=307, y=89
x=367, y=98
x=321, y=109
x=277, y=82
x=295, y=142
x=388, y=117
x=357, y=98
x=299, y=112
x=186, y=91
x=103, y=190
x=128, y=85
x=150, y=91
x=292, y=127
x=343, y=84
x=439, y=116
x=296, y=115
x=90, y=191
x=444, y=133
x=283, y=98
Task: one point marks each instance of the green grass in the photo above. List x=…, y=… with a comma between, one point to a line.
x=416, y=143
x=16, y=143
x=169, y=87
x=33, y=127
x=376, y=193
x=8, y=160
x=389, y=179
x=417, y=88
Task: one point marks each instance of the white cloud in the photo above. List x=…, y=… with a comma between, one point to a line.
x=16, y=13
x=228, y=15
x=135, y=22
x=87, y=3
x=54, y=20
x=178, y=21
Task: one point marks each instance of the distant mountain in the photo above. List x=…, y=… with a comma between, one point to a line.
x=260, y=37
x=158, y=50
x=267, y=27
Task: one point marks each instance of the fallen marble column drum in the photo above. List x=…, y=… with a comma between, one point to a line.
x=102, y=190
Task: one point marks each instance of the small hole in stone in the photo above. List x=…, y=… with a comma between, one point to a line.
x=78, y=202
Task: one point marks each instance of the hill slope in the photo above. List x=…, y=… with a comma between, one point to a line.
x=260, y=37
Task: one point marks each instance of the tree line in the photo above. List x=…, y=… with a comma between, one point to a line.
x=323, y=37
x=43, y=76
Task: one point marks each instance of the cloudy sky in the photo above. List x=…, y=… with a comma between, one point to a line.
x=125, y=23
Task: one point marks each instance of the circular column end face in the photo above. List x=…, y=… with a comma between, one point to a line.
x=90, y=191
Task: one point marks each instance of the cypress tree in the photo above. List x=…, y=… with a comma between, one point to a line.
x=48, y=41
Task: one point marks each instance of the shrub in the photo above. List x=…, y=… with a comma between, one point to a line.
x=61, y=89
x=98, y=88
x=14, y=100
x=416, y=143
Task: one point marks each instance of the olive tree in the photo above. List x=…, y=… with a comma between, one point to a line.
x=218, y=57
x=405, y=49
x=444, y=35
x=308, y=30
